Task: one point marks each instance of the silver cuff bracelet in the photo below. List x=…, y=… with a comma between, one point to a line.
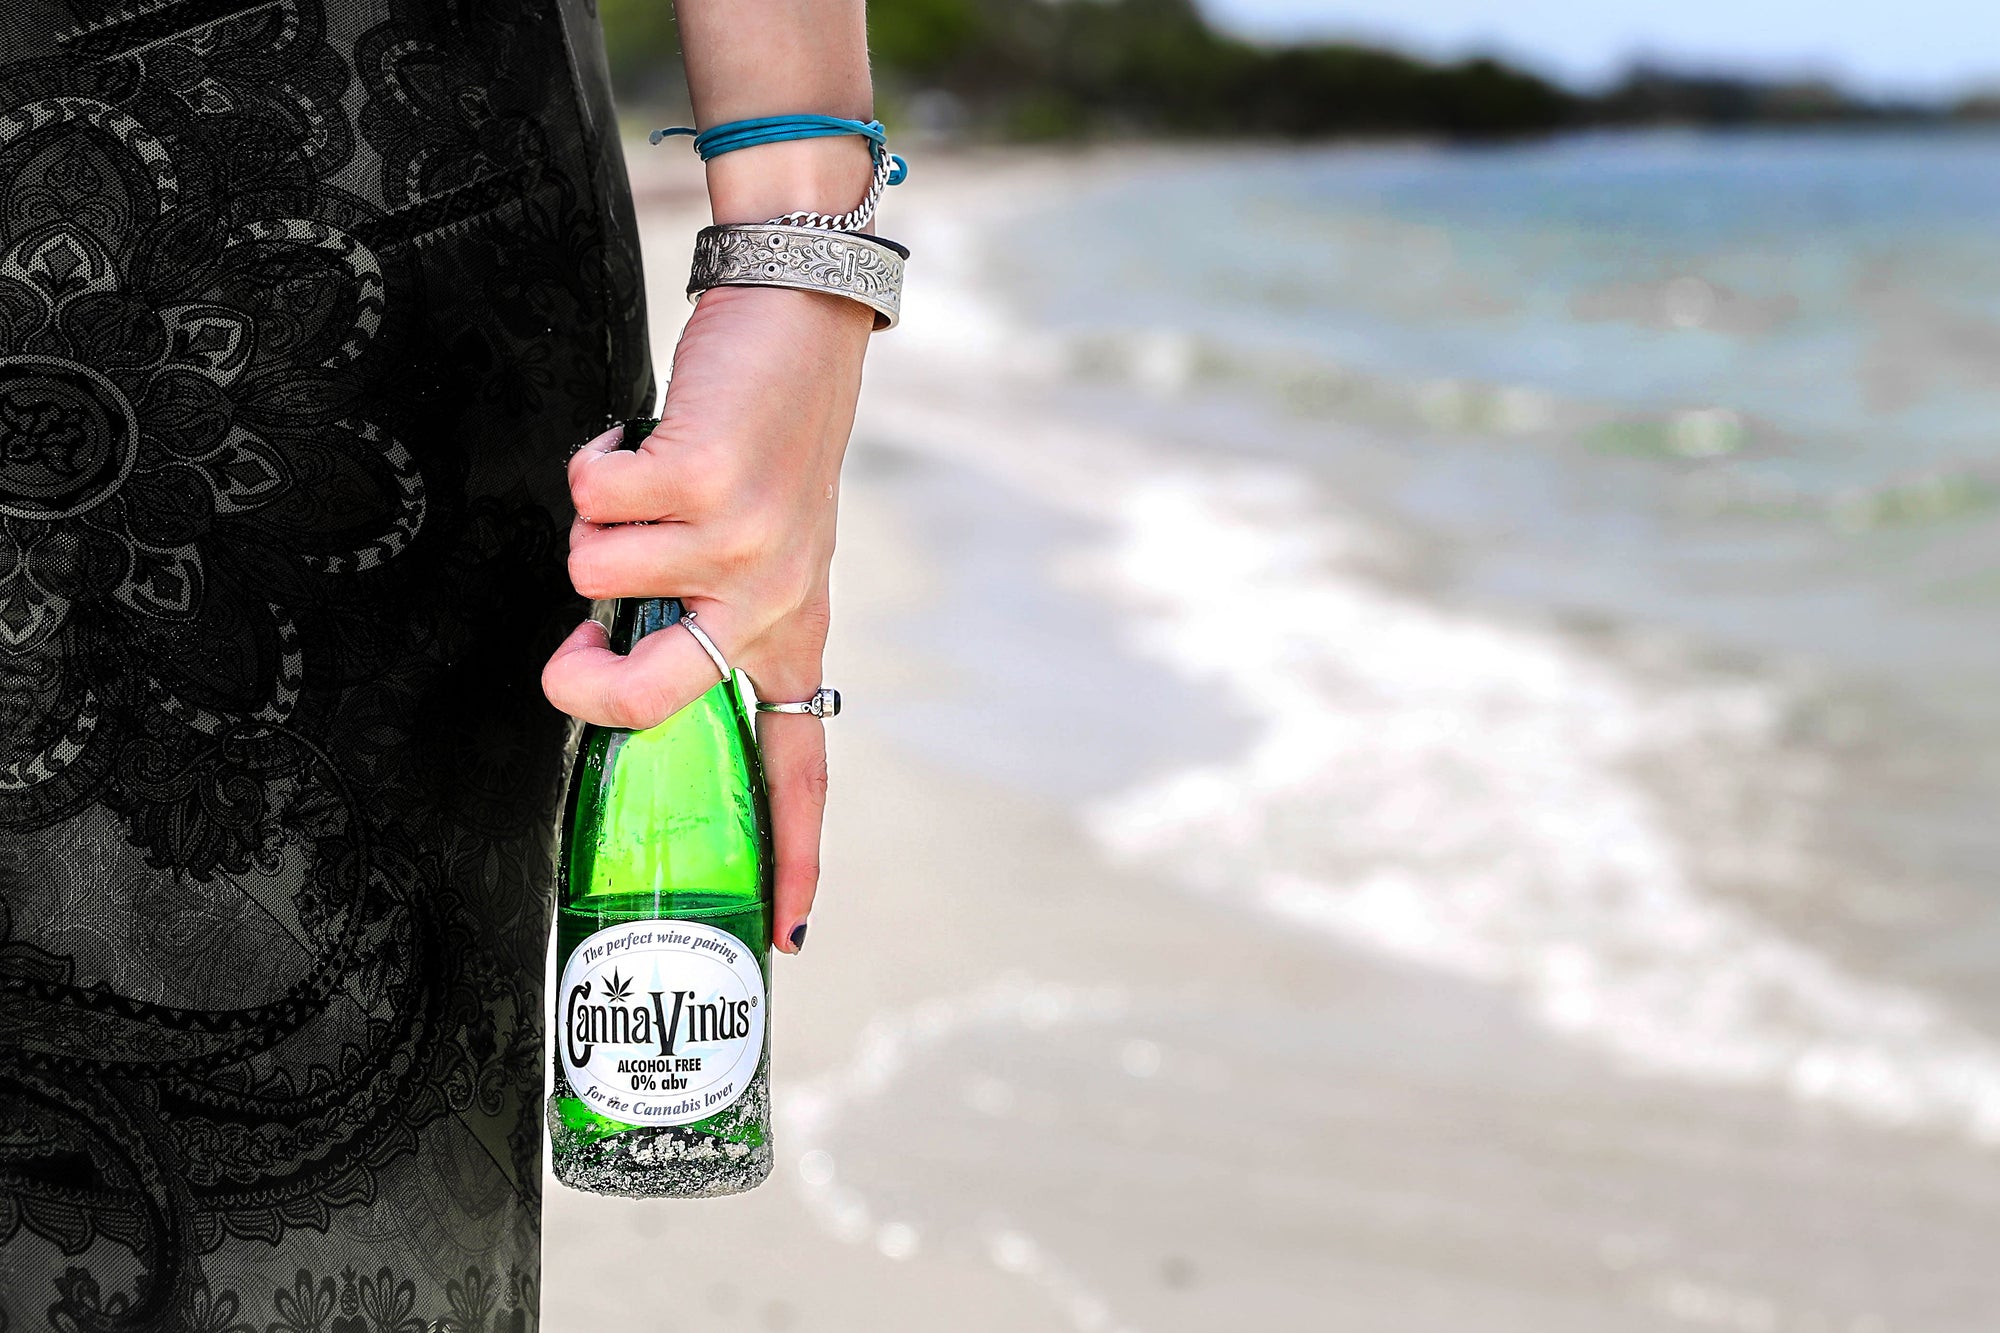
x=861, y=268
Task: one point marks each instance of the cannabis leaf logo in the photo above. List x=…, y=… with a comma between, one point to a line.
x=616, y=987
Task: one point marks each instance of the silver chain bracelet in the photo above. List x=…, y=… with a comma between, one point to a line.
x=854, y=220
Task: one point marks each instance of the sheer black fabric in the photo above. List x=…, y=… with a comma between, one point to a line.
x=303, y=304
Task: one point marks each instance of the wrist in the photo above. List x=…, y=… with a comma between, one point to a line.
x=812, y=319
x=828, y=175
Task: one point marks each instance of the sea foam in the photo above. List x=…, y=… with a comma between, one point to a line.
x=1467, y=794
x=1499, y=800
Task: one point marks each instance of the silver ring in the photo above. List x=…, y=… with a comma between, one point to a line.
x=707, y=644
x=824, y=703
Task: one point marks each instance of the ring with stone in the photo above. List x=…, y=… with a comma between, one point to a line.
x=825, y=702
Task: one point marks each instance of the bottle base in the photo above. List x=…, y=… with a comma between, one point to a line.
x=658, y=1164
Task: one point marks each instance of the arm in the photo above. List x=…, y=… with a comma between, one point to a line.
x=737, y=486
x=748, y=58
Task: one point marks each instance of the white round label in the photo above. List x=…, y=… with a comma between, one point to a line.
x=660, y=1022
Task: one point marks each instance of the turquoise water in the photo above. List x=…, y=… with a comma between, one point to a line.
x=1726, y=404
x=1825, y=285
x=1767, y=369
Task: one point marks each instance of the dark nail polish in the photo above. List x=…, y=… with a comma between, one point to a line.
x=798, y=937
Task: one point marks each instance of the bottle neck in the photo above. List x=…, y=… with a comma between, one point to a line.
x=633, y=618
x=636, y=617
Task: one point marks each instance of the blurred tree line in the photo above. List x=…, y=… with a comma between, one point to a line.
x=1052, y=69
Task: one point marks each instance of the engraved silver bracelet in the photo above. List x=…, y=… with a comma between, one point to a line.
x=861, y=268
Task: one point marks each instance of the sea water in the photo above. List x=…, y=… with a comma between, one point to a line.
x=1687, y=445
x=1522, y=620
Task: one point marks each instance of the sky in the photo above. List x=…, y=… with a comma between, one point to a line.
x=1920, y=47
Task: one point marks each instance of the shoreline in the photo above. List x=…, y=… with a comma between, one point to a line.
x=1022, y=1085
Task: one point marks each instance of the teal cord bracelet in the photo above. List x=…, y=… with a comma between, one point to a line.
x=729, y=137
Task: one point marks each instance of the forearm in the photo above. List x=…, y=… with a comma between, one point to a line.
x=750, y=58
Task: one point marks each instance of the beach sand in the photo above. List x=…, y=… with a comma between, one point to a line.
x=1025, y=1085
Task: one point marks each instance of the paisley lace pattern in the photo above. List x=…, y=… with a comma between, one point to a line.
x=302, y=304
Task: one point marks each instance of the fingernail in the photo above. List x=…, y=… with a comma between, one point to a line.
x=798, y=937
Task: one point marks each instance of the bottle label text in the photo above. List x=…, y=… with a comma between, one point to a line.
x=660, y=1022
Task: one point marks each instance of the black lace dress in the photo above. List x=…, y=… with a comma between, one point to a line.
x=303, y=304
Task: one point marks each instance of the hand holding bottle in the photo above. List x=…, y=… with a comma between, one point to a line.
x=730, y=506
x=739, y=480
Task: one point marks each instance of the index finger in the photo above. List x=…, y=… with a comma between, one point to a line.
x=612, y=482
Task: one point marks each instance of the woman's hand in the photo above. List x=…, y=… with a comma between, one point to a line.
x=728, y=505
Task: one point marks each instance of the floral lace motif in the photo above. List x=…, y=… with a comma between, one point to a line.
x=295, y=333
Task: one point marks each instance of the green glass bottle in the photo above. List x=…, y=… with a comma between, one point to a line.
x=661, y=1030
